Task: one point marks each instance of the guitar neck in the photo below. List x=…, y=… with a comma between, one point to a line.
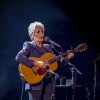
x=66, y=53
x=79, y=48
x=57, y=58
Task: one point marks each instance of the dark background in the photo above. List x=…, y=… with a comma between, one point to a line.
x=67, y=23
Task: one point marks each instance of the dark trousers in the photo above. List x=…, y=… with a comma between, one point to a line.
x=44, y=94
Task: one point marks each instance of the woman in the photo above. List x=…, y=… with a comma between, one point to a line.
x=43, y=89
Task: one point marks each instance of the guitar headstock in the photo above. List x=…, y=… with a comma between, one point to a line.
x=81, y=47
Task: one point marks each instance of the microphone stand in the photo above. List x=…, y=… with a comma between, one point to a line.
x=54, y=83
x=52, y=45
x=95, y=76
x=73, y=79
x=56, y=76
x=95, y=71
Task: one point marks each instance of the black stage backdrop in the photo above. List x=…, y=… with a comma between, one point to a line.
x=68, y=24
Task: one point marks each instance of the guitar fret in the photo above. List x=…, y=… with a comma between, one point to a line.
x=52, y=60
x=57, y=58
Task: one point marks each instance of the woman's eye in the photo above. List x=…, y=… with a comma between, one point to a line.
x=38, y=31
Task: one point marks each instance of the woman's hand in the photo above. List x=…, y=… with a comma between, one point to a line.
x=41, y=64
x=70, y=54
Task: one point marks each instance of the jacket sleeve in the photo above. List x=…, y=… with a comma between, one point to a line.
x=23, y=55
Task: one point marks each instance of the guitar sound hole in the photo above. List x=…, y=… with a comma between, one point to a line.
x=41, y=71
x=47, y=67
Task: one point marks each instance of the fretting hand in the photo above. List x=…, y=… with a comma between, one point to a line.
x=70, y=54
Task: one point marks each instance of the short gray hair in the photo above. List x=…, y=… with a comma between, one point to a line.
x=33, y=25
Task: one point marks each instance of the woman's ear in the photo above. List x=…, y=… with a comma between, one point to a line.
x=31, y=36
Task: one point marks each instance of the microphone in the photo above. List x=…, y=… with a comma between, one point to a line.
x=47, y=39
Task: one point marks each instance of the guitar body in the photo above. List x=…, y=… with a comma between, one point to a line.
x=30, y=76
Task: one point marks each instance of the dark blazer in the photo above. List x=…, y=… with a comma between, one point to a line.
x=30, y=49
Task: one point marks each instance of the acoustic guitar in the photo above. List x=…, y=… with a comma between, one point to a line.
x=35, y=75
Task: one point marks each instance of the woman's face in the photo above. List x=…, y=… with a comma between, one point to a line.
x=38, y=34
